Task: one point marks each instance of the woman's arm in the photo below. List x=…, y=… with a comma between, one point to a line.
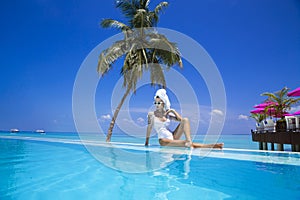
x=149, y=127
x=177, y=115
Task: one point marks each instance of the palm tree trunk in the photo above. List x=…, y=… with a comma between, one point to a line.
x=113, y=120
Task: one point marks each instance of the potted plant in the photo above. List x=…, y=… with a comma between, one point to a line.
x=258, y=117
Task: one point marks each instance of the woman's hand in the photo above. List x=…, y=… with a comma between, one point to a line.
x=172, y=113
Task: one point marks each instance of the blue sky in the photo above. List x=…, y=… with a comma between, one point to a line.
x=254, y=43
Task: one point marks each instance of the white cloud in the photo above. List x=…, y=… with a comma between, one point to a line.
x=126, y=120
x=140, y=120
x=294, y=109
x=243, y=117
x=105, y=117
x=217, y=112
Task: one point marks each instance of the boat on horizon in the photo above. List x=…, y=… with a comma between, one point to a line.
x=40, y=131
x=14, y=130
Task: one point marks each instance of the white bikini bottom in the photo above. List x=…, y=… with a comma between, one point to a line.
x=164, y=133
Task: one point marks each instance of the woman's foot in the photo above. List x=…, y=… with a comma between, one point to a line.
x=188, y=143
x=219, y=146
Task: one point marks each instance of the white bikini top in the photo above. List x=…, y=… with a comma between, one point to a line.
x=159, y=125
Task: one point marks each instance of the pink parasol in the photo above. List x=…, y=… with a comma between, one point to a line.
x=297, y=113
x=271, y=112
x=262, y=111
x=257, y=111
x=265, y=104
x=294, y=93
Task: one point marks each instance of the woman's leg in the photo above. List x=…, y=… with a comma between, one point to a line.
x=217, y=145
x=182, y=143
x=183, y=127
x=173, y=143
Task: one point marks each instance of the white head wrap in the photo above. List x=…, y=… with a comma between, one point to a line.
x=162, y=94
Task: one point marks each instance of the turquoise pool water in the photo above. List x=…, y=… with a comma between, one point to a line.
x=59, y=166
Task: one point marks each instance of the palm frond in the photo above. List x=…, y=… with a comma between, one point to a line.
x=271, y=96
x=145, y=59
x=144, y=4
x=111, y=23
x=139, y=20
x=160, y=7
x=110, y=55
x=167, y=51
x=135, y=59
x=131, y=77
x=153, y=17
x=157, y=75
x=159, y=41
x=128, y=7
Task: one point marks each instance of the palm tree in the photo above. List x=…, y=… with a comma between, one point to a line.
x=282, y=103
x=142, y=48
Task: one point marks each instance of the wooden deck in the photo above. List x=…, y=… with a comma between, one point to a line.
x=278, y=138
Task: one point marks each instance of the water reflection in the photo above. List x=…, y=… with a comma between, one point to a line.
x=141, y=159
x=166, y=178
x=163, y=171
x=12, y=154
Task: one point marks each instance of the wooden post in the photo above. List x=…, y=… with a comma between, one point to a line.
x=260, y=145
x=280, y=147
x=272, y=147
x=265, y=146
x=278, y=138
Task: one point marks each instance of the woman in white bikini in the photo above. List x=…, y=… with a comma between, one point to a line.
x=160, y=120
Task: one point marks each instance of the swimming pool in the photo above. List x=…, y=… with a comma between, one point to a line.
x=59, y=166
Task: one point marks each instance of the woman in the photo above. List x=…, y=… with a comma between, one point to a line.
x=160, y=120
